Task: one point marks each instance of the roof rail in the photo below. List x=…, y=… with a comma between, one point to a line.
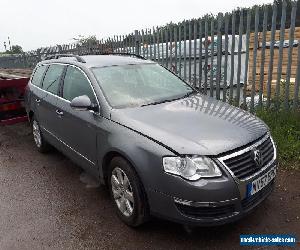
x=78, y=58
x=125, y=54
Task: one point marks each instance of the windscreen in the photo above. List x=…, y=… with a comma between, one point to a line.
x=140, y=84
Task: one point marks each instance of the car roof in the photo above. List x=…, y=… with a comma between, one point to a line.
x=93, y=61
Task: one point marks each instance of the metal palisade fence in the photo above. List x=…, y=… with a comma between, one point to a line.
x=249, y=58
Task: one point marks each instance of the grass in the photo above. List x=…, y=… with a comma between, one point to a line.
x=285, y=129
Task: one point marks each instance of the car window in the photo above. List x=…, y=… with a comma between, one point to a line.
x=52, y=78
x=76, y=84
x=38, y=75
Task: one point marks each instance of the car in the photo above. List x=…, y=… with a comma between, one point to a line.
x=162, y=148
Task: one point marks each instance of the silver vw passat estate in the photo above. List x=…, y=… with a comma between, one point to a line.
x=161, y=147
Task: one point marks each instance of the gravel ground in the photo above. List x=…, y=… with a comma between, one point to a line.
x=47, y=202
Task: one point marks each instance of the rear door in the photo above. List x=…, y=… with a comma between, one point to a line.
x=47, y=110
x=35, y=94
x=78, y=128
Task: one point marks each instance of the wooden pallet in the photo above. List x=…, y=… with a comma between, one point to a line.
x=275, y=62
x=277, y=36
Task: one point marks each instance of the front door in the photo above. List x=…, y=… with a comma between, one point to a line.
x=78, y=129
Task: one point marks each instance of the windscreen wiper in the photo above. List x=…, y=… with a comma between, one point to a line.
x=189, y=94
x=170, y=100
x=158, y=102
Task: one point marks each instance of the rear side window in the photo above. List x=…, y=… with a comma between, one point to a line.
x=76, y=84
x=52, y=78
x=38, y=75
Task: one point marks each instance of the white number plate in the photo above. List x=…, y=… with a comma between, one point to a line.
x=261, y=182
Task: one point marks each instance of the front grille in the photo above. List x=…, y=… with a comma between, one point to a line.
x=206, y=212
x=255, y=199
x=244, y=166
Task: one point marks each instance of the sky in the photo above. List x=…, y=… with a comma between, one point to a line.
x=34, y=23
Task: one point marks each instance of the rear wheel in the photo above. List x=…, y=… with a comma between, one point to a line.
x=127, y=193
x=39, y=140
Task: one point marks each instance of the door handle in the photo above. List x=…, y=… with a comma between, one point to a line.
x=60, y=113
x=37, y=100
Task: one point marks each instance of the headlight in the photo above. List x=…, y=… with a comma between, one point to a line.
x=191, y=168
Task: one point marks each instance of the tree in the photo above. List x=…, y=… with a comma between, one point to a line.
x=16, y=49
x=86, y=41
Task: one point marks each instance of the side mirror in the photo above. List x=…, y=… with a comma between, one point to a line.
x=83, y=103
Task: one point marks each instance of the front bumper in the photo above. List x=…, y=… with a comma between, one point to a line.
x=206, y=212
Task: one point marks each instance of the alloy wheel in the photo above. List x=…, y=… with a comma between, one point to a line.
x=122, y=191
x=36, y=134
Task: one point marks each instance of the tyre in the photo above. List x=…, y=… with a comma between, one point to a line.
x=127, y=193
x=40, y=142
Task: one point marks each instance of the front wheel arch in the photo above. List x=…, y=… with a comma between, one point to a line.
x=105, y=167
x=144, y=211
x=108, y=158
